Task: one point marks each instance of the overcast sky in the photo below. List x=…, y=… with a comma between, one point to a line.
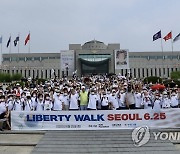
x=54, y=24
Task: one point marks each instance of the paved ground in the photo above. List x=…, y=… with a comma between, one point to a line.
x=97, y=142
x=111, y=141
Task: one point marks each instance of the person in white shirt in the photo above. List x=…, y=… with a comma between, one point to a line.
x=147, y=102
x=40, y=103
x=58, y=104
x=104, y=101
x=122, y=105
x=34, y=100
x=113, y=100
x=47, y=103
x=138, y=99
x=73, y=100
x=10, y=102
x=17, y=105
x=174, y=100
x=157, y=104
x=23, y=99
x=93, y=100
x=65, y=99
x=28, y=103
x=166, y=102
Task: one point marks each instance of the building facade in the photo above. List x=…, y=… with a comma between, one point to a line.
x=91, y=58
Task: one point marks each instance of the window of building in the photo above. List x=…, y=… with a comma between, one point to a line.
x=29, y=58
x=159, y=71
x=176, y=69
x=37, y=58
x=147, y=71
x=37, y=74
x=143, y=72
x=151, y=72
x=16, y=71
x=21, y=58
x=6, y=59
x=46, y=74
x=139, y=73
x=168, y=72
x=171, y=69
x=29, y=73
x=41, y=74
x=135, y=72
x=12, y=71
x=52, y=57
x=25, y=74
x=50, y=73
x=58, y=73
x=163, y=71
x=21, y=72
x=155, y=71
x=33, y=74
x=43, y=58
x=121, y=72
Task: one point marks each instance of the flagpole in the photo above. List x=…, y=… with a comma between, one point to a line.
x=18, y=50
x=1, y=53
x=162, y=57
x=172, y=49
x=29, y=42
x=10, y=53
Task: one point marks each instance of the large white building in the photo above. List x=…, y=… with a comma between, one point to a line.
x=92, y=57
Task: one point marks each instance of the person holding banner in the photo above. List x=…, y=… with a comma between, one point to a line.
x=73, y=100
x=93, y=100
x=83, y=98
x=40, y=103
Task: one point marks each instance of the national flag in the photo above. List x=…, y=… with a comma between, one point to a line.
x=176, y=38
x=8, y=42
x=168, y=36
x=16, y=41
x=27, y=39
x=157, y=35
x=0, y=39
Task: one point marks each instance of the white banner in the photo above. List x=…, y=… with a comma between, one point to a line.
x=67, y=61
x=94, y=120
x=121, y=59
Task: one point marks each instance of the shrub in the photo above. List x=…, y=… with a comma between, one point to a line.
x=175, y=75
x=153, y=79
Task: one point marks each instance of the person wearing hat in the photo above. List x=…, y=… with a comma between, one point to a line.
x=166, y=102
x=104, y=101
x=17, y=105
x=147, y=101
x=83, y=98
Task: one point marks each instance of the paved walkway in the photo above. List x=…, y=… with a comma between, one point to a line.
x=97, y=142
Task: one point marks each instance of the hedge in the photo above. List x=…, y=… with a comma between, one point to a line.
x=6, y=77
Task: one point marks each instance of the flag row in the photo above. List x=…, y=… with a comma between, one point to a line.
x=16, y=41
x=167, y=37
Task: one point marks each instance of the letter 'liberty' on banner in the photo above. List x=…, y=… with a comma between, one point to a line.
x=94, y=120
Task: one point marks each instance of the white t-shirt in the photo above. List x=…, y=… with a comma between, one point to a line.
x=2, y=107
x=166, y=103
x=138, y=100
x=10, y=104
x=122, y=100
x=48, y=105
x=17, y=105
x=57, y=103
x=65, y=99
x=147, y=103
x=104, y=101
x=40, y=105
x=157, y=104
x=28, y=105
x=92, y=101
x=114, y=101
x=74, y=101
x=174, y=100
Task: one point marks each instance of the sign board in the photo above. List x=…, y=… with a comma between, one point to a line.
x=121, y=59
x=67, y=61
x=94, y=120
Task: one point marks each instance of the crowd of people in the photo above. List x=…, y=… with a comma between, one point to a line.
x=98, y=92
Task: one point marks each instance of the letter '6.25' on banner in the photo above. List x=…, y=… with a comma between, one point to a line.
x=94, y=120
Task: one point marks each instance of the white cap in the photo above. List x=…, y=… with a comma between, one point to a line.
x=28, y=94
